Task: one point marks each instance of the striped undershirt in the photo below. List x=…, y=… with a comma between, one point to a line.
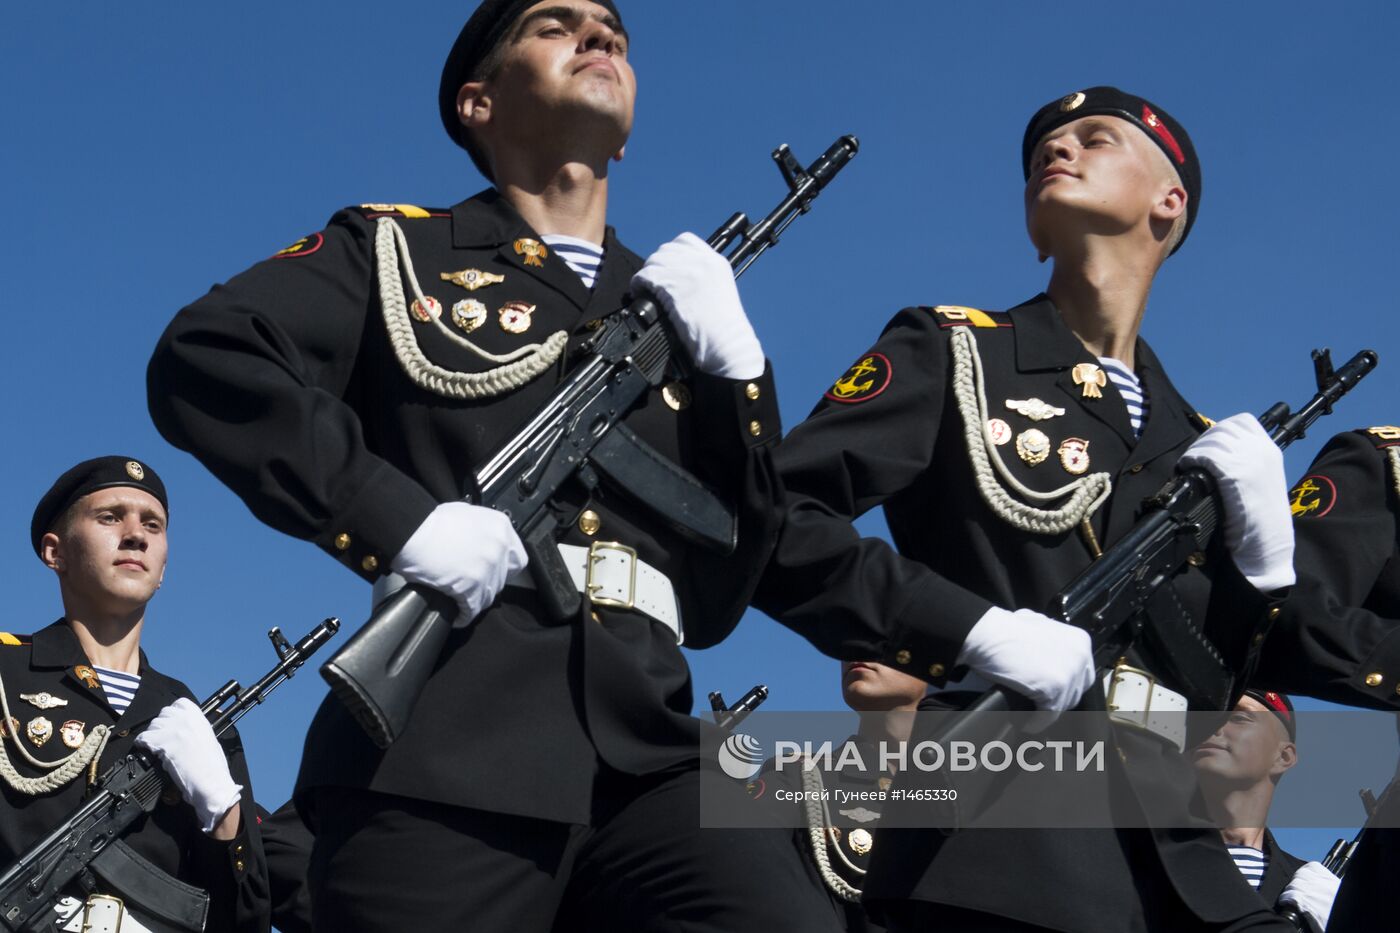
x=582, y=256
x=1251, y=862
x=120, y=687
x=1130, y=387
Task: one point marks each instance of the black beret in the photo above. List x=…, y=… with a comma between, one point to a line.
x=1281, y=705
x=483, y=31
x=1169, y=135
x=90, y=476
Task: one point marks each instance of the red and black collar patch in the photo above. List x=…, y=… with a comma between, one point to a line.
x=303, y=247
x=1313, y=497
x=867, y=377
x=962, y=316
x=1386, y=435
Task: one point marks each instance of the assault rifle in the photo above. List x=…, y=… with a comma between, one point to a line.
x=1113, y=598
x=727, y=717
x=88, y=845
x=379, y=674
x=1336, y=861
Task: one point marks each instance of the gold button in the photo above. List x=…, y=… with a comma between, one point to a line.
x=676, y=396
x=751, y=391
x=123, y=733
x=1259, y=639
x=1274, y=613
x=370, y=564
x=589, y=522
x=755, y=428
x=1374, y=679
x=935, y=670
x=238, y=849
x=1135, y=468
x=238, y=865
x=903, y=656
x=342, y=542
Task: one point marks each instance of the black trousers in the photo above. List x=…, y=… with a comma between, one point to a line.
x=387, y=864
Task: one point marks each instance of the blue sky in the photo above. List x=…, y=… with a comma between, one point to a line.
x=156, y=148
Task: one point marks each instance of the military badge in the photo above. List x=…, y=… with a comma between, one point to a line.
x=88, y=676
x=533, y=251
x=472, y=279
x=426, y=309
x=135, y=470
x=1314, y=496
x=1091, y=377
x=860, y=841
x=1072, y=101
x=39, y=730
x=860, y=814
x=998, y=431
x=303, y=247
x=515, y=316
x=867, y=378
x=1034, y=409
x=885, y=783
x=1032, y=446
x=71, y=732
x=43, y=700
x=1074, y=455
x=468, y=314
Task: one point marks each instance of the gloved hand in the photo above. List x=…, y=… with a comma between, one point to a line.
x=1046, y=660
x=696, y=287
x=465, y=551
x=1312, y=891
x=185, y=743
x=1248, y=469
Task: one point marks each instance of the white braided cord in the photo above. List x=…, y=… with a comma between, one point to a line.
x=64, y=770
x=1086, y=493
x=1394, y=454
x=818, y=823
x=519, y=366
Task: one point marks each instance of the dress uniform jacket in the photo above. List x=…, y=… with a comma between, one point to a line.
x=1338, y=635
x=891, y=433
x=234, y=873
x=284, y=383
x=1281, y=868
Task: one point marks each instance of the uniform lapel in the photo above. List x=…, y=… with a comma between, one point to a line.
x=1167, y=426
x=614, y=278
x=1043, y=342
x=56, y=647
x=155, y=694
x=487, y=220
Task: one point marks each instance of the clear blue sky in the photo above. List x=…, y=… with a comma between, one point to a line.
x=152, y=149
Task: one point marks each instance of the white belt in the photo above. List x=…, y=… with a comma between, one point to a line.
x=611, y=574
x=100, y=913
x=1135, y=698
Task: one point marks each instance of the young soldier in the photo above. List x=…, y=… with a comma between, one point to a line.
x=348, y=388
x=1239, y=766
x=1007, y=448
x=79, y=694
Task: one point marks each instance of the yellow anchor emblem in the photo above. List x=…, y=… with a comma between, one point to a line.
x=1307, y=488
x=848, y=385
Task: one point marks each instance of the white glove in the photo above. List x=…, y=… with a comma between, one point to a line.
x=1312, y=891
x=185, y=743
x=1248, y=469
x=696, y=287
x=1048, y=661
x=465, y=551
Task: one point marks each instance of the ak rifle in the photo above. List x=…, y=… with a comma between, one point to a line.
x=576, y=436
x=1110, y=598
x=88, y=845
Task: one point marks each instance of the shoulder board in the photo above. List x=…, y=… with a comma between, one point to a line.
x=401, y=210
x=1385, y=435
x=960, y=316
x=1202, y=420
x=13, y=641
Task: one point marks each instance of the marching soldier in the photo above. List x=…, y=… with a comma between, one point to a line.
x=1240, y=765
x=347, y=388
x=1008, y=448
x=79, y=694
x=1338, y=635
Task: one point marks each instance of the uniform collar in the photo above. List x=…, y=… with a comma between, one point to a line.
x=57, y=647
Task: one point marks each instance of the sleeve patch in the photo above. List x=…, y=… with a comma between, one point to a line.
x=867, y=377
x=1313, y=497
x=303, y=247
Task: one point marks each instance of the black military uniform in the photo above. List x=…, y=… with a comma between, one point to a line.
x=562, y=748
x=1282, y=866
x=1338, y=635
x=287, y=842
x=52, y=693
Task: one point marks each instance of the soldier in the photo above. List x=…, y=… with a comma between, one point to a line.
x=79, y=695
x=1338, y=636
x=1240, y=766
x=347, y=388
x=1007, y=448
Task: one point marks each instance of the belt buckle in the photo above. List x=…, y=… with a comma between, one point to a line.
x=112, y=907
x=594, y=556
x=1124, y=667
